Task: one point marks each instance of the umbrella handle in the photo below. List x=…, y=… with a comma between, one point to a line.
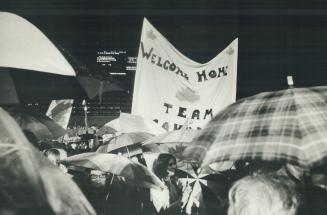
x=112, y=178
x=129, y=156
x=184, y=204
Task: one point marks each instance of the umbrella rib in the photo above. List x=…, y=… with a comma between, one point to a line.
x=7, y=145
x=300, y=121
x=14, y=149
x=257, y=144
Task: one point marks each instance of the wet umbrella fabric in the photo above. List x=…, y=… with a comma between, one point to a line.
x=204, y=183
x=134, y=172
x=94, y=87
x=30, y=180
x=27, y=86
x=127, y=123
x=125, y=142
x=287, y=125
x=40, y=66
x=41, y=126
x=106, y=131
x=20, y=39
x=173, y=142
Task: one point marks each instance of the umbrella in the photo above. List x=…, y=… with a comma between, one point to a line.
x=173, y=142
x=206, y=185
x=60, y=111
x=133, y=123
x=287, y=125
x=30, y=62
x=106, y=130
x=20, y=39
x=26, y=86
x=41, y=126
x=133, y=172
x=94, y=87
x=125, y=143
x=29, y=181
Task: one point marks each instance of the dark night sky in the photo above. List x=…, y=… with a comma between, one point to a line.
x=275, y=40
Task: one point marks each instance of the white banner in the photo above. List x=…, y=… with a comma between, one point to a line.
x=171, y=89
x=60, y=111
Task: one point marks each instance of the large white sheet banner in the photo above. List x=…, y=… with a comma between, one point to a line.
x=171, y=89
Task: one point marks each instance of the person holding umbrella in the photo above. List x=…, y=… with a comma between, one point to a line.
x=94, y=190
x=119, y=190
x=109, y=194
x=165, y=168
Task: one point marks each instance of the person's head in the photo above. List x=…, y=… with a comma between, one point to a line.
x=91, y=144
x=98, y=178
x=165, y=165
x=263, y=194
x=53, y=155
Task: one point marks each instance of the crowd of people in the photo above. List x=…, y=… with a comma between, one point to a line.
x=250, y=187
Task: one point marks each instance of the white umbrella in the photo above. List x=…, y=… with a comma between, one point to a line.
x=25, y=52
x=24, y=46
x=127, y=123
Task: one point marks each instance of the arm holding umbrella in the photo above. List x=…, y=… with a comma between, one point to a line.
x=165, y=168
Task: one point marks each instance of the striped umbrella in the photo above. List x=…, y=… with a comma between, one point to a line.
x=287, y=125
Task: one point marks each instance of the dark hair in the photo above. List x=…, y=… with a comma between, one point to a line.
x=31, y=138
x=160, y=166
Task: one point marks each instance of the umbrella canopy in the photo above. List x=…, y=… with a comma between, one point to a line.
x=24, y=46
x=133, y=123
x=104, y=130
x=173, y=142
x=204, y=181
x=29, y=62
x=133, y=172
x=41, y=126
x=25, y=86
x=288, y=125
x=30, y=181
x=125, y=143
x=60, y=111
x=94, y=87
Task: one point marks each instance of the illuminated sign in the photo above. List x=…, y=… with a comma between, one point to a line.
x=131, y=59
x=116, y=60
x=105, y=59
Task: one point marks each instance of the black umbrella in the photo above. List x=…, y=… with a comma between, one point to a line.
x=31, y=67
x=22, y=86
x=41, y=126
